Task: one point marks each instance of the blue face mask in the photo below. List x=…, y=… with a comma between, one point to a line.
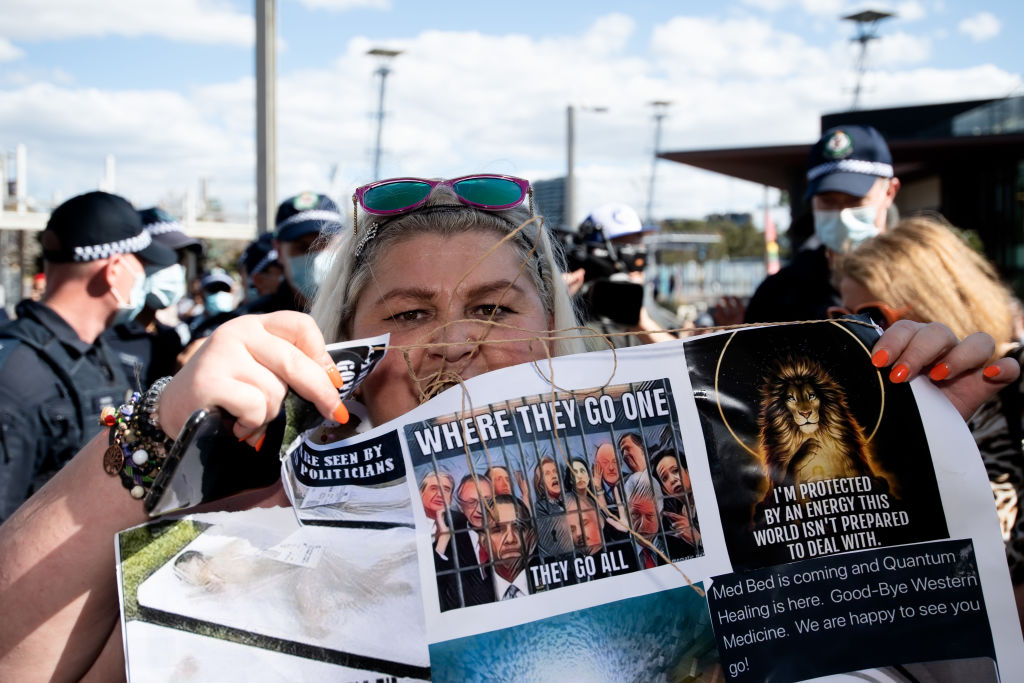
x=127, y=310
x=308, y=271
x=165, y=287
x=218, y=302
x=841, y=231
x=251, y=294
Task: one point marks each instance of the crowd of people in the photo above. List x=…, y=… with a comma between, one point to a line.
x=442, y=266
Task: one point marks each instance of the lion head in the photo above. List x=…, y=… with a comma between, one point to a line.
x=806, y=425
x=802, y=402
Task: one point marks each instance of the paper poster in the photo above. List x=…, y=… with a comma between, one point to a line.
x=744, y=506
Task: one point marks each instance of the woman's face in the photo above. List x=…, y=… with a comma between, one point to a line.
x=580, y=474
x=674, y=480
x=549, y=473
x=424, y=282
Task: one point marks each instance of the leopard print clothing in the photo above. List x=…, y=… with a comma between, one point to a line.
x=1004, y=462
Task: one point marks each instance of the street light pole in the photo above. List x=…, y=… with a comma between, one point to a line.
x=383, y=70
x=659, y=113
x=569, y=201
x=266, y=140
x=867, y=25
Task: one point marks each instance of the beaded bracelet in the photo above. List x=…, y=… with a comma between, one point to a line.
x=138, y=446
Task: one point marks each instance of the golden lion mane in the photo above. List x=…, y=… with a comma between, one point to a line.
x=832, y=447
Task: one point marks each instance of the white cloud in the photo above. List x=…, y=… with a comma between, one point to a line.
x=8, y=51
x=911, y=10
x=730, y=48
x=980, y=27
x=823, y=7
x=609, y=34
x=899, y=49
x=194, y=21
x=161, y=139
x=459, y=102
x=767, y=5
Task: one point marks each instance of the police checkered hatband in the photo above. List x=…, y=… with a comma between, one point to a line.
x=875, y=168
x=312, y=215
x=129, y=245
x=163, y=227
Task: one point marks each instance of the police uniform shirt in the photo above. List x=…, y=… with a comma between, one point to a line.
x=150, y=355
x=43, y=421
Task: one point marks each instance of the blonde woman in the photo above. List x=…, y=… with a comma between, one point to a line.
x=922, y=270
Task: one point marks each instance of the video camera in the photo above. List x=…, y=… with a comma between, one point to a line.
x=607, y=291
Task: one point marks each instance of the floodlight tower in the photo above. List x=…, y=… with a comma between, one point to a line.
x=659, y=114
x=867, y=27
x=384, y=56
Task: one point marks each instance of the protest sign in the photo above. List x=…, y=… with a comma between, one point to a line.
x=752, y=505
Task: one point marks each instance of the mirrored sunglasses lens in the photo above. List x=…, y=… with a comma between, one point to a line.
x=489, y=191
x=395, y=196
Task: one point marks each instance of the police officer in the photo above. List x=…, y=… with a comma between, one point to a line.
x=259, y=268
x=146, y=342
x=56, y=373
x=300, y=222
x=852, y=185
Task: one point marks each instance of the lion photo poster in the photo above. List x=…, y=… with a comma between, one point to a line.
x=813, y=451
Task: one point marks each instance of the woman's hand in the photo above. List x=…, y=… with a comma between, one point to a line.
x=959, y=368
x=246, y=367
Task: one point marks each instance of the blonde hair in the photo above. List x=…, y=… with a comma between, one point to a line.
x=355, y=256
x=922, y=266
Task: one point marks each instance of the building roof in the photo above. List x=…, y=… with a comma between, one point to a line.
x=922, y=138
x=777, y=165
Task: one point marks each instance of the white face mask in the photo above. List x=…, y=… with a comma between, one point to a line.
x=165, y=287
x=841, y=231
x=127, y=310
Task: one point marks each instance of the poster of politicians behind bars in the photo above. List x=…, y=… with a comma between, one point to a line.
x=555, y=489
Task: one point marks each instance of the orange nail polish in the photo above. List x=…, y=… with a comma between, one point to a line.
x=939, y=372
x=899, y=373
x=335, y=376
x=340, y=414
x=259, y=444
x=991, y=371
x=880, y=359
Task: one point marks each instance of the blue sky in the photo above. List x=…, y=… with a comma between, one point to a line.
x=167, y=87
